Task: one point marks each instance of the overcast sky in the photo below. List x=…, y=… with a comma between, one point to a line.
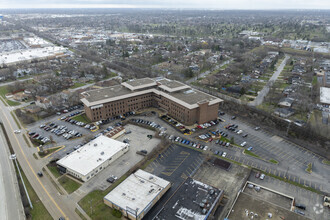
x=197, y=4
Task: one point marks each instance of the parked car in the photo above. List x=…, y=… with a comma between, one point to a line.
x=17, y=131
x=250, y=148
x=262, y=176
x=257, y=128
x=244, y=135
x=301, y=206
x=224, y=154
x=257, y=175
x=243, y=144
x=233, y=117
x=40, y=174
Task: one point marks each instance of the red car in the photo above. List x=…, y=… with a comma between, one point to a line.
x=257, y=174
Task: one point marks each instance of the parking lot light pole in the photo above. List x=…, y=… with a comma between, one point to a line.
x=13, y=157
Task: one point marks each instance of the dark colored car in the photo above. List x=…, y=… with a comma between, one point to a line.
x=301, y=206
x=111, y=179
x=40, y=174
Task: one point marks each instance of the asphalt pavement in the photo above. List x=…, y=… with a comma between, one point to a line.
x=56, y=204
x=261, y=95
x=11, y=206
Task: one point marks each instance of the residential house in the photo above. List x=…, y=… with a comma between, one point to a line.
x=43, y=102
x=286, y=102
x=284, y=112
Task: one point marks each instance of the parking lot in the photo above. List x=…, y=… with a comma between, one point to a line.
x=138, y=141
x=62, y=132
x=312, y=201
x=230, y=181
x=175, y=164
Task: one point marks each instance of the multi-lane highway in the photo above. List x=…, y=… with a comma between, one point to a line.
x=11, y=206
x=56, y=204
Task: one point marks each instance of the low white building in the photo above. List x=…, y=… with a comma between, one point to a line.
x=137, y=194
x=92, y=158
x=325, y=96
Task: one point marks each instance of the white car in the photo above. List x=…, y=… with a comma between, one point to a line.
x=239, y=132
x=17, y=131
x=243, y=144
x=262, y=176
x=224, y=154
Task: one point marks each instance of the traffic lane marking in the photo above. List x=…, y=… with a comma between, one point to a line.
x=34, y=173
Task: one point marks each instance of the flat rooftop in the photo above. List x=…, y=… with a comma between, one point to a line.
x=193, y=200
x=136, y=84
x=250, y=205
x=325, y=95
x=137, y=191
x=184, y=95
x=106, y=93
x=91, y=155
x=29, y=54
x=193, y=96
x=171, y=85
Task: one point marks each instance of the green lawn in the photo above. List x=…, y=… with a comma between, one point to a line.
x=251, y=154
x=314, y=82
x=47, y=152
x=77, y=85
x=68, y=184
x=54, y=170
x=309, y=168
x=12, y=103
x=94, y=199
x=39, y=211
x=273, y=161
x=3, y=91
x=327, y=162
x=83, y=118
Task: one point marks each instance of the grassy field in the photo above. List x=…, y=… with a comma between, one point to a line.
x=82, y=118
x=68, y=184
x=39, y=211
x=47, y=152
x=54, y=170
x=309, y=168
x=93, y=203
x=77, y=85
x=3, y=92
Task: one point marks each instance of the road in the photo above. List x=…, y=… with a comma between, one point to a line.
x=208, y=71
x=259, y=99
x=11, y=206
x=293, y=159
x=12, y=82
x=56, y=204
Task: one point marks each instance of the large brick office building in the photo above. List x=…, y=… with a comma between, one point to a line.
x=181, y=102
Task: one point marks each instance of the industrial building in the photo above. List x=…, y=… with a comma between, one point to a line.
x=137, y=194
x=179, y=100
x=193, y=200
x=92, y=158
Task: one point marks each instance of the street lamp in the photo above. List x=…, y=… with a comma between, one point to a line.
x=13, y=157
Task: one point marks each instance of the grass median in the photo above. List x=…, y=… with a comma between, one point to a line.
x=82, y=118
x=39, y=211
x=247, y=152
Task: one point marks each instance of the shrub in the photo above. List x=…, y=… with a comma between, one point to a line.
x=116, y=213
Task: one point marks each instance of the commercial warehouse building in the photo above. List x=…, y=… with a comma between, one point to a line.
x=137, y=194
x=92, y=158
x=193, y=200
x=180, y=101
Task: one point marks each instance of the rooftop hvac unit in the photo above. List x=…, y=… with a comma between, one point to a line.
x=95, y=144
x=102, y=153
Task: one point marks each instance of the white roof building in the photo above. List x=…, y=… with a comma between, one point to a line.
x=136, y=195
x=325, y=95
x=93, y=157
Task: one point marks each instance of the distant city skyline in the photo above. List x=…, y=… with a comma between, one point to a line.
x=193, y=4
